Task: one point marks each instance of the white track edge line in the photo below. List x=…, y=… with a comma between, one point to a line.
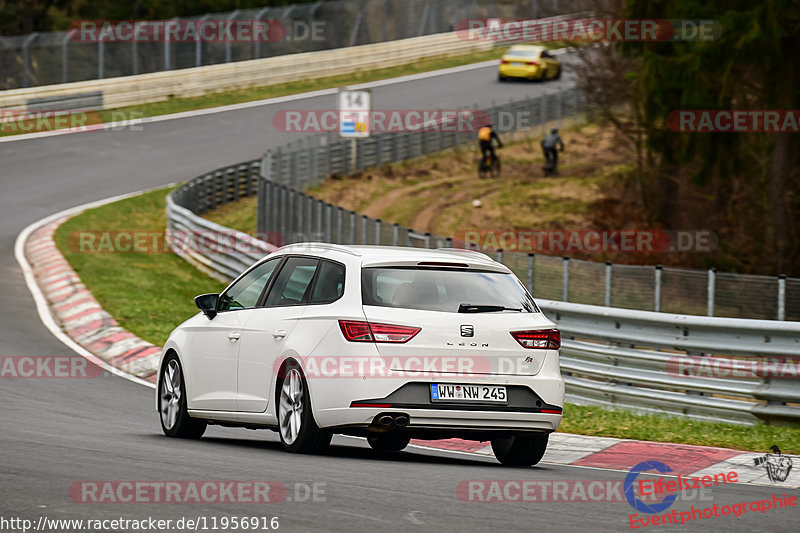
x=42, y=306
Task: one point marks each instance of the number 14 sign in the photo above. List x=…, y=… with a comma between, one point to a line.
x=354, y=109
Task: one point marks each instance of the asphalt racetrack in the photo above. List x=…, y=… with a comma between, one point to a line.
x=55, y=433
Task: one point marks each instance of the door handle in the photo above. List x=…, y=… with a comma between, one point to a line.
x=234, y=336
x=279, y=334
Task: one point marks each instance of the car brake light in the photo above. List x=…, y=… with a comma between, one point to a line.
x=531, y=63
x=360, y=331
x=504, y=61
x=544, y=339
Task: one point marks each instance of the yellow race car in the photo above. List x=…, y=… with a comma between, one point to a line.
x=529, y=62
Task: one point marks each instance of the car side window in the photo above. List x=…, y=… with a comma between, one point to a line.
x=244, y=293
x=329, y=286
x=293, y=282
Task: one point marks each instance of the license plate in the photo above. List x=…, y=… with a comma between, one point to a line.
x=517, y=64
x=455, y=392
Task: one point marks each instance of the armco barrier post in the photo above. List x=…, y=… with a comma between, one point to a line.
x=339, y=215
x=607, y=300
x=377, y=231
x=352, y=237
x=531, y=259
x=657, y=302
x=782, y=297
x=712, y=276
x=565, y=273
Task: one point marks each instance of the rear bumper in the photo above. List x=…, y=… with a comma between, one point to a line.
x=534, y=404
x=510, y=71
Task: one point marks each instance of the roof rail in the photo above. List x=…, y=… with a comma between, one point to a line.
x=320, y=245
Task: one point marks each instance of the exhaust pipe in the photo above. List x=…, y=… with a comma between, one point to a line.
x=386, y=421
x=401, y=421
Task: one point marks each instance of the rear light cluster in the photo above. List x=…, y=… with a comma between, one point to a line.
x=361, y=331
x=529, y=63
x=543, y=339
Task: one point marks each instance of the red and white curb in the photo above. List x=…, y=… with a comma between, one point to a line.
x=622, y=455
x=70, y=311
x=80, y=315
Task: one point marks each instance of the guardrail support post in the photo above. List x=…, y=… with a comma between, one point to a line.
x=531, y=259
x=565, y=270
x=339, y=219
x=657, y=302
x=395, y=234
x=499, y=256
x=607, y=299
x=377, y=231
x=328, y=222
x=363, y=229
x=712, y=277
x=352, y=239
x=782, y=297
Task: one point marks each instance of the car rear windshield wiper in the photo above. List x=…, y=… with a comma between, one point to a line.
x=473, y=308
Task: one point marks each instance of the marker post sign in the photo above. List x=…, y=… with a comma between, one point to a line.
x=354, y=111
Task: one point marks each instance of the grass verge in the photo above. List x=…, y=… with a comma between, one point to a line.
x=151, y=293
x=148, y=293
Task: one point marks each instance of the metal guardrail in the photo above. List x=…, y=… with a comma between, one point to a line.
x=51, y=58
x=632, y=359
x=221, y=252
x=613, y=357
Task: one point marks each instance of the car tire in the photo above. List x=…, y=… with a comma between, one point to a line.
x=297, y=428
x=558, y=74
x=173, y=414
x=520, y=450
x=388, y=442
x=501, y=78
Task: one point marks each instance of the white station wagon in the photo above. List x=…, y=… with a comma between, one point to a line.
x=387, y=343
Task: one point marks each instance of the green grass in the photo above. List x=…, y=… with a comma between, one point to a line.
x=151, y=293
x=177, y=105
x=590, y=420
x=148, y=293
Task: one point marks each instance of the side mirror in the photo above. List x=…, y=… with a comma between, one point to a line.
x=207, y=303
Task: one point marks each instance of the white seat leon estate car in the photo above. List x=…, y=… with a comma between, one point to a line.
x=386, y=343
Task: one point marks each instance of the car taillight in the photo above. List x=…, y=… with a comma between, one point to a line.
x=360, y=331
x=544, y=339
x=531, y=63
x=504, y=61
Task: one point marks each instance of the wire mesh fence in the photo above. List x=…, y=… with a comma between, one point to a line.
x=61, y=57
x=288, y=215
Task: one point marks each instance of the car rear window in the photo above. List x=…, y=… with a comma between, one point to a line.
x=442, y=289
x=531, y=54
